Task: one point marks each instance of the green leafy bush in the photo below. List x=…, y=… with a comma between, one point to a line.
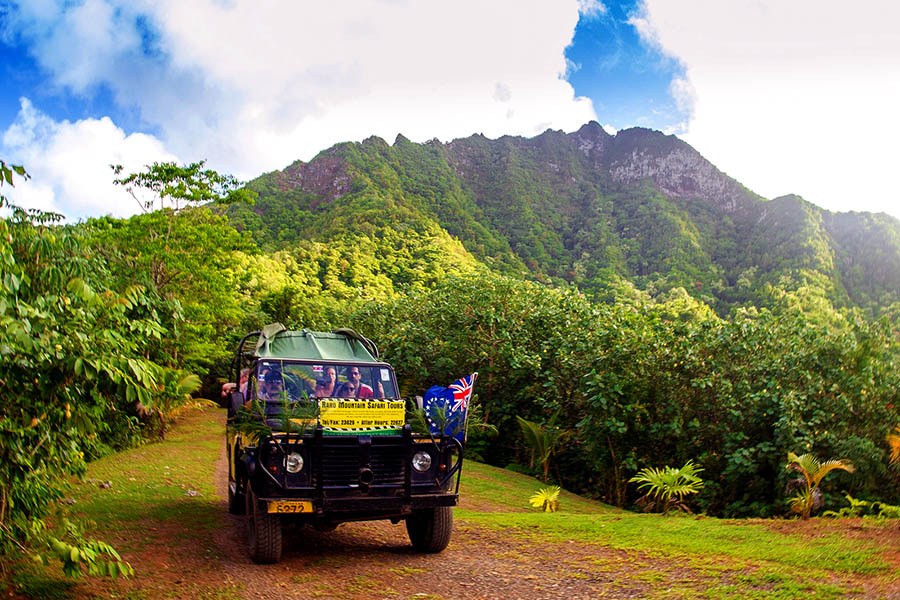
x=653, y=385
x=73, y=369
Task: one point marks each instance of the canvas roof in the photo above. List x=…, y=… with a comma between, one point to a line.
x=277, y=342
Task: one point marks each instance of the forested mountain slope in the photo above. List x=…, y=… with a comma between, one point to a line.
x=587, y=208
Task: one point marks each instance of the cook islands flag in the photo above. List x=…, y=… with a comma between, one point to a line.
x=446, y=408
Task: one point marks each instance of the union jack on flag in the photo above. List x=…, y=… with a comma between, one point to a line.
x=462, y=392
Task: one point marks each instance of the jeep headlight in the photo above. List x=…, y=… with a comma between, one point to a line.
x=421, y=461
x=294, y=462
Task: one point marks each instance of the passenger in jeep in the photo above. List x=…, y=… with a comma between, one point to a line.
x=354, y=387
x=272, y=386
x=325, y=388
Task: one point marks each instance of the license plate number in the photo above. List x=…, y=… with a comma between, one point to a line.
x=290, y=506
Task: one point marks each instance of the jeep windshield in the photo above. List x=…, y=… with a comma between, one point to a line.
x=276, y=380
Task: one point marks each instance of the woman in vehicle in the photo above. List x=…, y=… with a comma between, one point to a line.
x=325, y=388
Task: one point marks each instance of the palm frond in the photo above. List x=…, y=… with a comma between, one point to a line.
x=189, y=384
x=417, y=420
x=813, y=472
x=669, y=483
x=475, y=418
x=546, y=498
x=649, y=477
x=807, y=464
x=801, y=502
x=831, y=465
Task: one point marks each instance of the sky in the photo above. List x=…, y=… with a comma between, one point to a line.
x=786, y=96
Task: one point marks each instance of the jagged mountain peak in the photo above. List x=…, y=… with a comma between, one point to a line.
x=592, y=129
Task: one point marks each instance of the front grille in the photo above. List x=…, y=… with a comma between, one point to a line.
x=342, y=462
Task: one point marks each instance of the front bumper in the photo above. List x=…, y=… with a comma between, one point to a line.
x=360, y=505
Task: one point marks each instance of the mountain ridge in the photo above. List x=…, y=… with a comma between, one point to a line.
x=588, y=209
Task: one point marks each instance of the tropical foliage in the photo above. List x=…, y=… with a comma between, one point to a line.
x=541, y=440
x=666, y=488
x=73, y=364
x=547, y=499
x=893, y=440
x=813, y=472
x=83, y=360
x=865, y=508
x=180, y=186
x=662, y=384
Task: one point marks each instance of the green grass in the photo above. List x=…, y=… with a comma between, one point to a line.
x=152, y=481
x=716, y=558
x=510, y=491
x=146, y=501
x=151, y=484
x=675, y=535
x=690, y=538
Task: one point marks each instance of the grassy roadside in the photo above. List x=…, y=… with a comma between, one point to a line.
x=729, y=558
x=142, y=499
x=161, y=510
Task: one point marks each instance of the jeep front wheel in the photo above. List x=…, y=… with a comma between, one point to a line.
x=263, y=532
x=429, y=529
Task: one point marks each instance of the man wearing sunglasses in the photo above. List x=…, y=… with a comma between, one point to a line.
x=354, y=387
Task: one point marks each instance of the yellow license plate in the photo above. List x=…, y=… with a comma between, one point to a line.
x=290, y=506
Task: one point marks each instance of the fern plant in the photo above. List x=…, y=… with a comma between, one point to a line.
x=666, y=488
x=886, y=511
x=813, y=472
x=857, y=508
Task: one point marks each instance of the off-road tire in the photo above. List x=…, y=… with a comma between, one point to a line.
x=429, y=529
x=263, y=532
x=237, y=504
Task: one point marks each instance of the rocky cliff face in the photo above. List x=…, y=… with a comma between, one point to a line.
x=325, y=177
x=677, y=170
x=630, y=157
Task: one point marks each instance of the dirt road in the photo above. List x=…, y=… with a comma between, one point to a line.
x=205, y=556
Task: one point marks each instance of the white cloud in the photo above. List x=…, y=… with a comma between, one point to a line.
x=591, y=9
x=253, y=85
x=685, y=97
x=790, y=97
x=69, y=163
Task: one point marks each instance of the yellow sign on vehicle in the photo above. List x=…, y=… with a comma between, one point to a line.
x=290, y=506
x=361, y=414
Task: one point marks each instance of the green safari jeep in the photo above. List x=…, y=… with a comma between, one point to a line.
x=317, y=433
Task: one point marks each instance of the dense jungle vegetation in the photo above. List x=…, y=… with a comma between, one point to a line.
x=645, y=326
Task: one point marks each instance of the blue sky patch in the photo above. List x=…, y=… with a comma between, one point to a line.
x=627, y=81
